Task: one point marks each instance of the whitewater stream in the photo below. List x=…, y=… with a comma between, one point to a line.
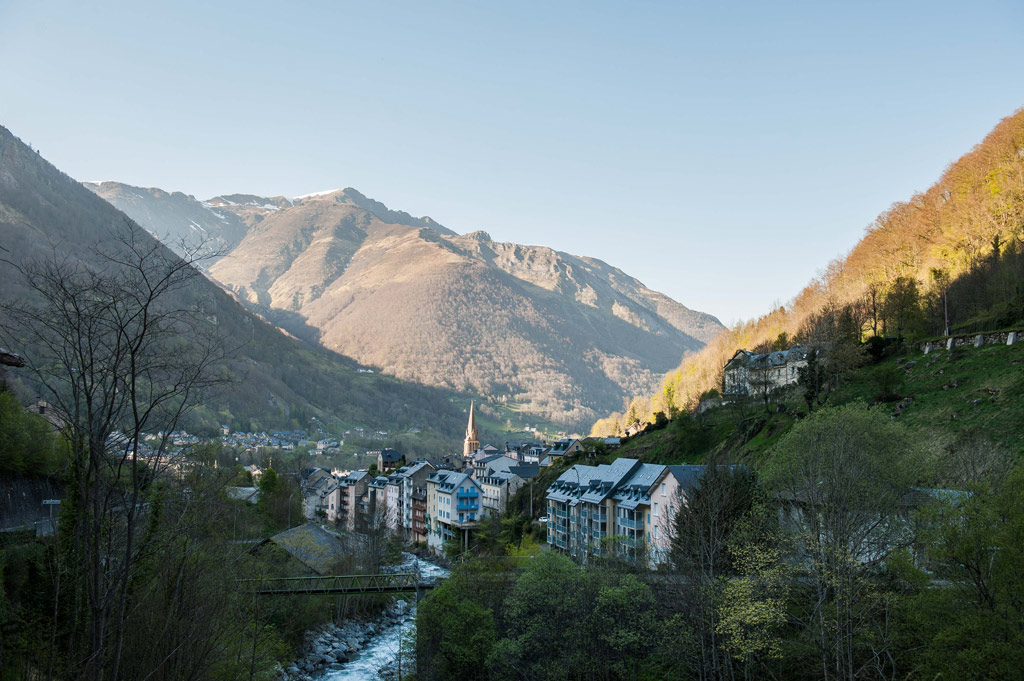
x=382, y=649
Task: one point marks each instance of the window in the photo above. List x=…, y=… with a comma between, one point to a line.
x=663, y=486
x=655, y=531
x=655, y=509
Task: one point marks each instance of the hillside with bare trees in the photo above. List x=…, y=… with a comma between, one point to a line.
x=947, y=260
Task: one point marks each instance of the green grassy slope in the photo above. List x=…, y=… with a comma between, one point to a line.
x=947, y=395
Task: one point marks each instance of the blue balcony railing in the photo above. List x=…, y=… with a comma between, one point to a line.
x=631, y=524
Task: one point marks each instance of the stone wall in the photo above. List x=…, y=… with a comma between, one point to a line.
x=972, y=340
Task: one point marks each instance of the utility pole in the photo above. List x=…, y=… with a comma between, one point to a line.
x=945, y=307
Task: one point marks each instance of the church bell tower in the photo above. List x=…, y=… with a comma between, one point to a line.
x=472, y=441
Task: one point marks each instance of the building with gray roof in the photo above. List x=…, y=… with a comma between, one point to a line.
x=626, y=507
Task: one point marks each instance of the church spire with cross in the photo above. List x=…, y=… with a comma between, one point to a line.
x=472, y=442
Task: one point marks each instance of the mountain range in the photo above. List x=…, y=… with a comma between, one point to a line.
x=563, y=336
x=280, y=381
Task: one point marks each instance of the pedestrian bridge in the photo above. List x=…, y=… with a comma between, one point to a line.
x=402, y=582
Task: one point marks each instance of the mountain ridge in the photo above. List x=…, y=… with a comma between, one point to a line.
x=328, y=265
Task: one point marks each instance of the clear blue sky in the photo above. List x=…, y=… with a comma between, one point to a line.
x=723, y=153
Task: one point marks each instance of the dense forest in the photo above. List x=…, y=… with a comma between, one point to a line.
x=948, y=260
x=876, y=569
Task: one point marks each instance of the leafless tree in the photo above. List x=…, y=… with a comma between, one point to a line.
x=117, y=341
x=700, y=556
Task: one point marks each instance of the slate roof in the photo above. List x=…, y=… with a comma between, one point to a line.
x=499, y=463
x=768, y=359
x=353, y=477
x=313, y=546
x=593, y=484
x=448, y=480
x=560, y=446
x=525, y=471
x=250, y=494
x=498, y=478
x=688, y=477
x=390, y=456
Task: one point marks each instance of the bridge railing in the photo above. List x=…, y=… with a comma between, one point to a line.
x=336, y=584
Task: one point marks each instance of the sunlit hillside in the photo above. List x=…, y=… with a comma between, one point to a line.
x=951, y=256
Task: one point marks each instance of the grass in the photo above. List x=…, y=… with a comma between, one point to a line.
x=965, y=390
x=954, y=393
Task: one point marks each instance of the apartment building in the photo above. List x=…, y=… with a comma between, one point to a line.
x=351, y=490
x=454, y=508
x=627, y=507
x=497, y=487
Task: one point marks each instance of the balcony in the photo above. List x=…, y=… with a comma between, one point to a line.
x=598, y=534
x=466, y=506
x=561, y=513
x=468, y=495
x=631, y=524
x=599, y=517
x=560, y=543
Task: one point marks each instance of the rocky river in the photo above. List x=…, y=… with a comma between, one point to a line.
x=363, y=651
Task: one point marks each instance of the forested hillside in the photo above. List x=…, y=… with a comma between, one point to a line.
x=951, y=256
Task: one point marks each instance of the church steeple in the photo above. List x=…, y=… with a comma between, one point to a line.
x=472, y=442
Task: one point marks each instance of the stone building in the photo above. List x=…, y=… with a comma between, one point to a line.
x=753, y=374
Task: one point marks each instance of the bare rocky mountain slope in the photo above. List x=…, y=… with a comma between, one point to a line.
x=566, y=336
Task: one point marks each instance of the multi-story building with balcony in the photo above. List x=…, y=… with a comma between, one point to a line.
x=351, y=489
x=454, y=508
x=497, y=487
x=627, y=508
x=373, y=507
x=419, y=515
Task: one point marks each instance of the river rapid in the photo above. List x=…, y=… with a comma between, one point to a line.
x=379, y=641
